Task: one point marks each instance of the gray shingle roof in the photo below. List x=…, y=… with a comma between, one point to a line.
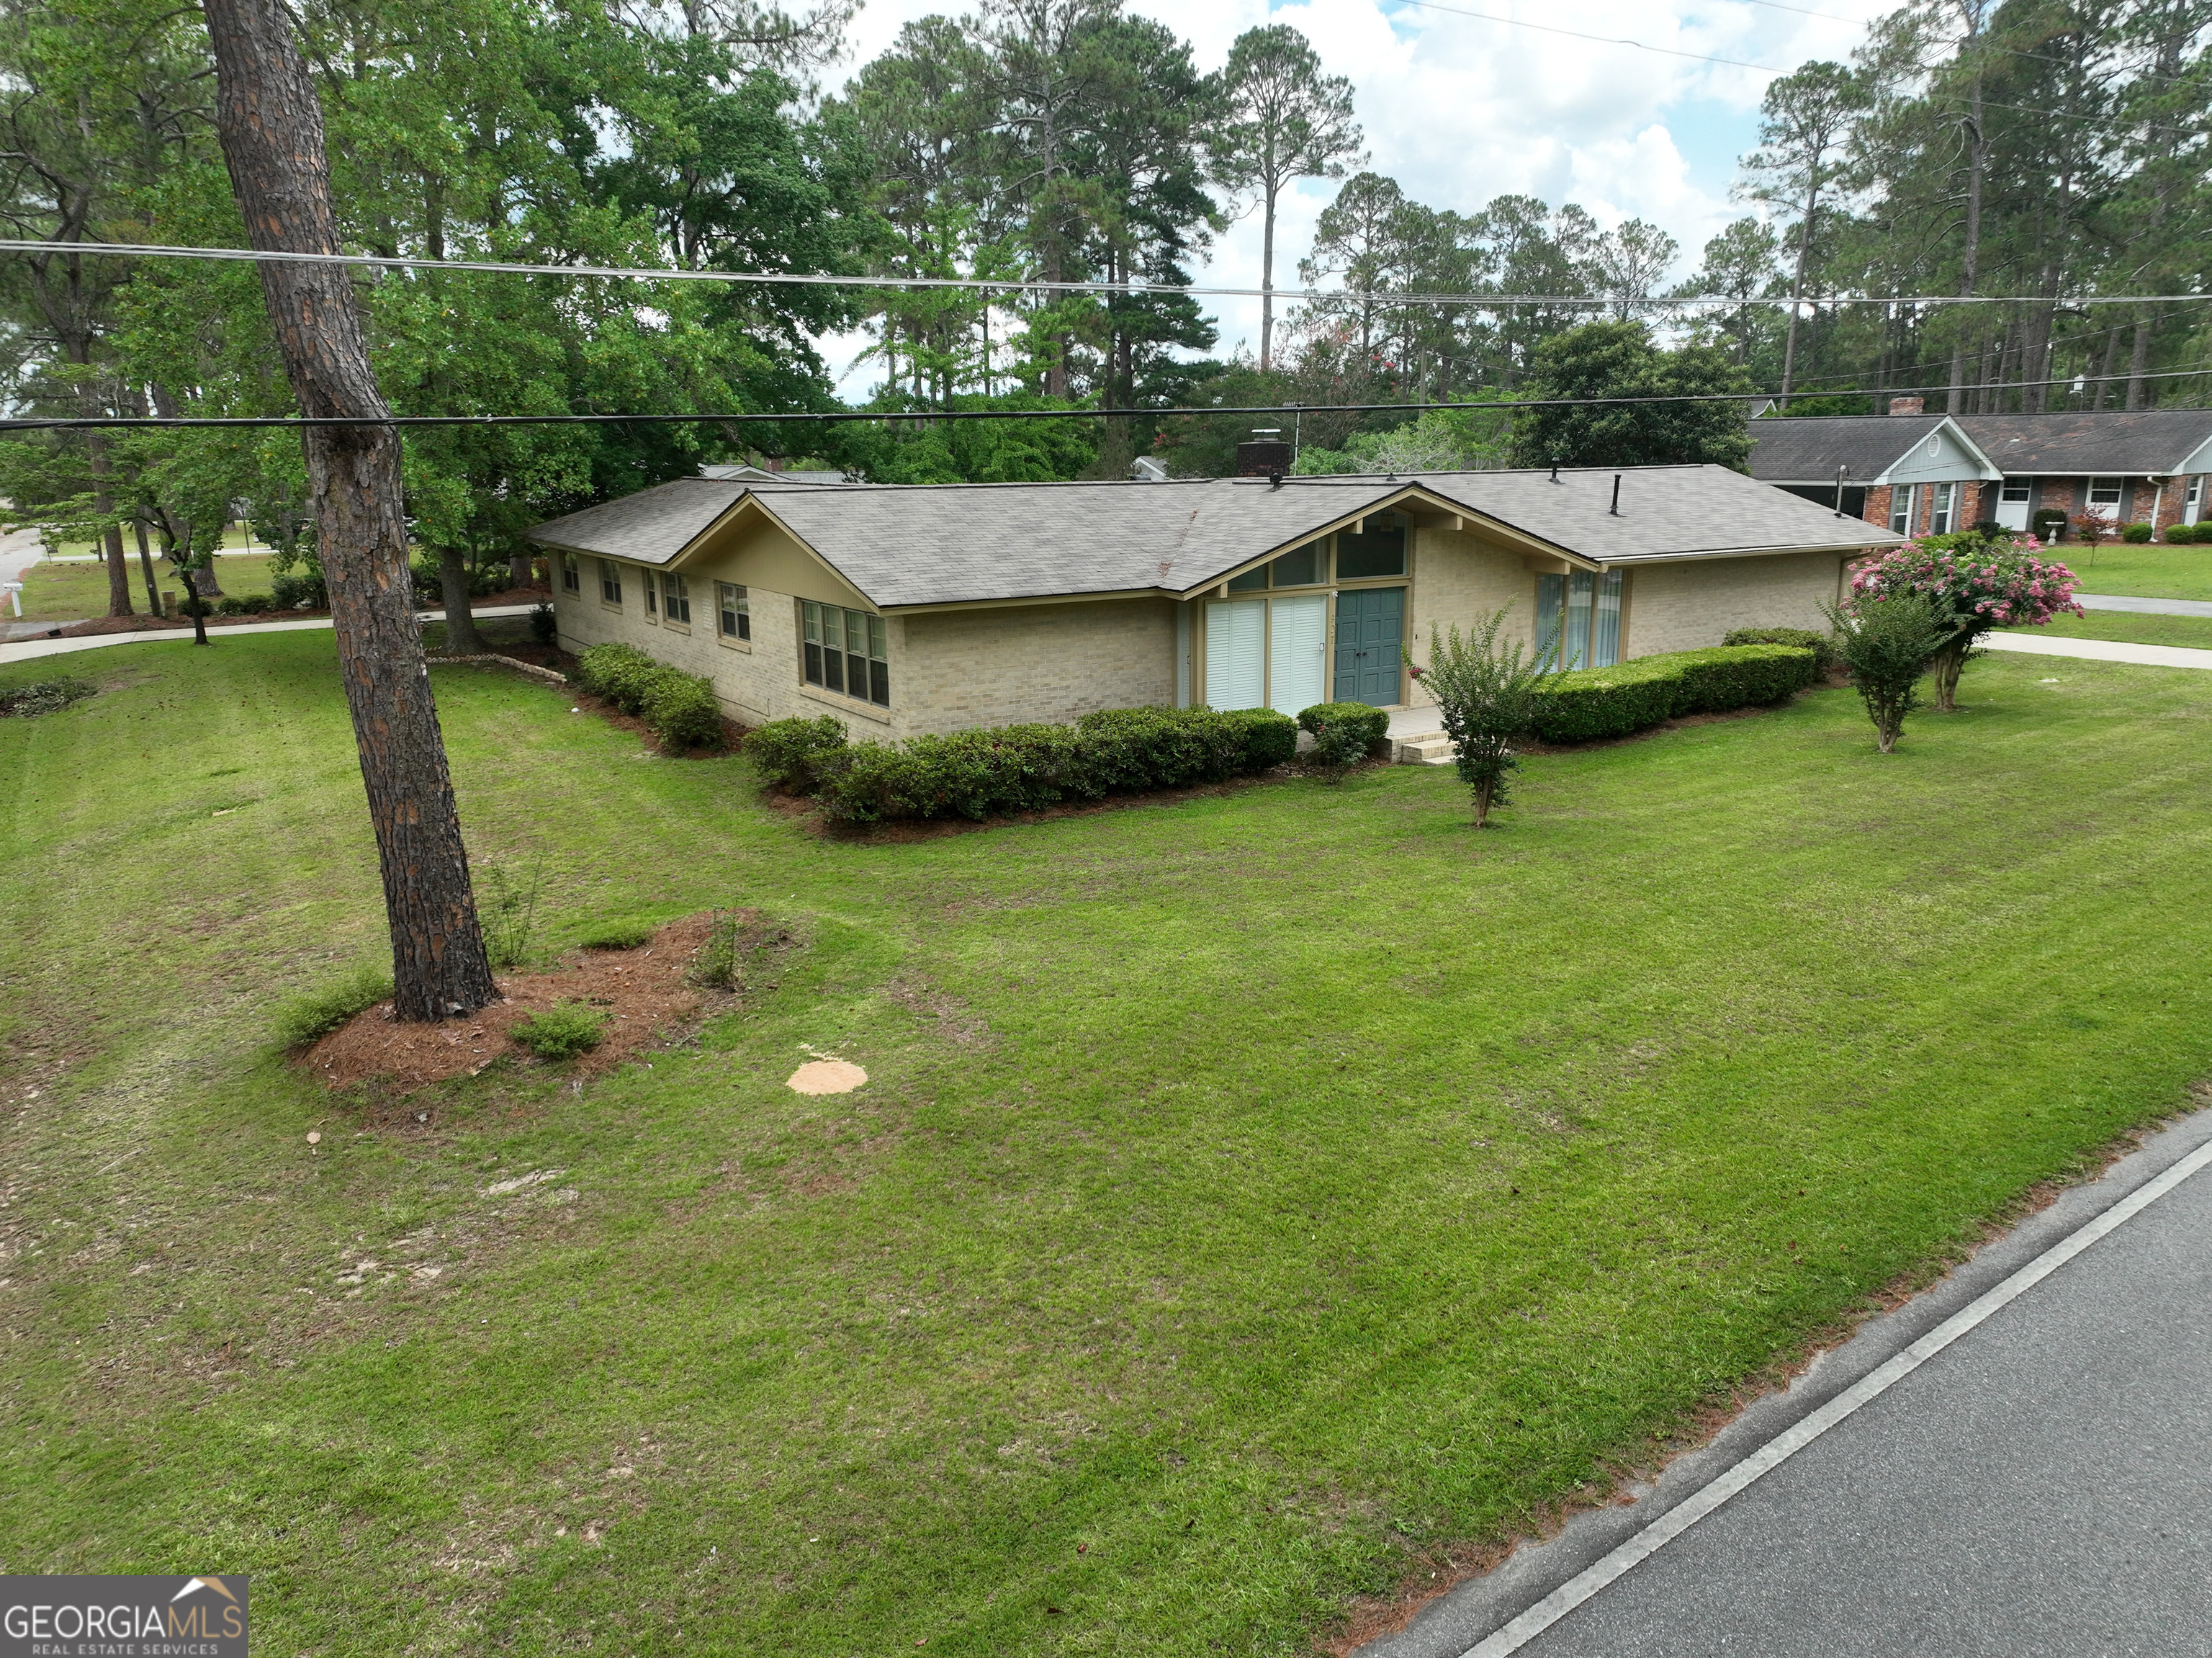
x=2113, y=443
x=1807, y=448
x=906, y=545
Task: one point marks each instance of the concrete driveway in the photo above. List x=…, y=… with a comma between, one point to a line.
x=2018, y=1463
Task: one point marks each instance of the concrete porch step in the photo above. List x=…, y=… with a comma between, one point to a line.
x=1428, y=748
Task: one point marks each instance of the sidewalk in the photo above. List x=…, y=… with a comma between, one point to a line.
x=22, y=650
x=2144, y=607
x=2102, y=651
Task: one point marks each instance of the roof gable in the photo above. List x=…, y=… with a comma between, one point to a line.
x=2109, y=443
x=1866, y=449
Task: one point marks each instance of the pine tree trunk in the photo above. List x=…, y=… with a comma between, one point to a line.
x=462, y=638
x=146, y=570
x=271, y=130
x=1268, y=286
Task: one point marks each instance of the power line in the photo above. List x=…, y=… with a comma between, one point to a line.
x=835, y=416
x=989, y=285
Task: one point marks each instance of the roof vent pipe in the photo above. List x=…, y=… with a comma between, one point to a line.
x=1616, y=495
x=1842, y=473
x=1555, y=471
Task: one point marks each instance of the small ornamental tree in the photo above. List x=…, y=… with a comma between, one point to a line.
x=1487, y=696
x=1886, y=642
x=1974, y=581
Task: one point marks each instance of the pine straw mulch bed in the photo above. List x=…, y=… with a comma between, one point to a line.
x=647, y=993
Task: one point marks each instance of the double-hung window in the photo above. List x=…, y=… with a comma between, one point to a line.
x=2105, y=492
x=676, y=598
x=846, y=651
x=1944, y=510
x=610, y=582
x=1902, y=498
x=652, y=611
x=2192, y=503
x=737, y=613
x=572, y=580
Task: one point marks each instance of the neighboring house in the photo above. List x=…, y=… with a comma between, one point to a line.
x=1910, y=472
x=1925, y=474
x=773, y=474
x=2131, y=465
x=905, y=609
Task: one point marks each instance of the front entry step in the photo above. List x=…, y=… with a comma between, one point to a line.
x=1433, y=749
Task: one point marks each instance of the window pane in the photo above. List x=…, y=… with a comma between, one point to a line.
x=813, y=663
x=1900, y=510
x=1378, y=550
x=726, y=600
x=833, y=668
x=813, y=612
x=745, y=626
x=1249, y=580
x=1298, y=568
x=1550, y=597
x=2104, y=491
x=879, y=638
x=856, y=632
x=1605, y=628
x=879, y=684
x=645, y=580
x=1580, y=591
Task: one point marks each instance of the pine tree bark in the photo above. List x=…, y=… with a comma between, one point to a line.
x=271, y=129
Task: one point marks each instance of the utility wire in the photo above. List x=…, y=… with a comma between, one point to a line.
x=775, y=279
x=833, y=416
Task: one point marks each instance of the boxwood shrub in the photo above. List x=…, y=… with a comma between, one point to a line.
x=1023, y=768
x=1822, y=645
x=2183, y=535
x=1344, y=732
x=1613, y=702
x=680, y=708
x=784, y=751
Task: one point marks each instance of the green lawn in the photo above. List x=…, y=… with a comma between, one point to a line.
x=2193, y=632
x=72, y=592
x=1252, y=1194
x=2151, y=571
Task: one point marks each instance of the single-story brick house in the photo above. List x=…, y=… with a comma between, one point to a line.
x=905, y=609
x=1924, y=475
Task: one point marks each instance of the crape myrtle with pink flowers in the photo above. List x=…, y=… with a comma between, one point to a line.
x=1974, y=581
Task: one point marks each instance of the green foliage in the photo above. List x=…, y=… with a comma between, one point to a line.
x=1344, y=733
x=303, y=1018
x=506, y=908
x=545, y=624
x=2049, y=524
x=304, y=590
x=784, y=752
x=680, y=708
x=717, y=964
x=2137, y=533
x=1830, y=404
x=560, y=1033
x=1618, y=359
x=1887, y=643
x=1613, y=702
x=244, y=604
x=1025, y=768
x=622, y=933
x=1822, y=645
x=1487, y=695
x=969, y=451
x=43, y=696
x=1439, y=440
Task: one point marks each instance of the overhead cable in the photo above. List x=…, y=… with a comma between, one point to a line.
x=830, y=417
x=1016, y=284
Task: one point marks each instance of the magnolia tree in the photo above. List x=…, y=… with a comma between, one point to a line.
x=1972, y=582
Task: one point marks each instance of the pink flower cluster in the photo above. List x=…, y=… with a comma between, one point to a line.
x=1984, y=585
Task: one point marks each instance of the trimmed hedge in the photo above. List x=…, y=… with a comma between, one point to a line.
x=1613, y=702
x=1822, y=645
x=784, y=751
x=2137, y=534
x=679, y=707
x=1344, y=732
x=2185, y=535
x=1018, y=768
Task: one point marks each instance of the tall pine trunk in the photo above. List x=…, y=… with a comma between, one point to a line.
x=271, y=130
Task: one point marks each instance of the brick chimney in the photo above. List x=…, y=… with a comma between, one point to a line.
x=1908, y=406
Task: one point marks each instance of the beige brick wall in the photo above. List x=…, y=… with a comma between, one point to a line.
x=964, y=668
x=1458, y=578
x=1689, y=606
x=949, y=671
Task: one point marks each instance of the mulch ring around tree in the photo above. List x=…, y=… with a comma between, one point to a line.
x=646, y=994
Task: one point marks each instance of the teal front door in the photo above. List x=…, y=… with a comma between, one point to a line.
x=1371, y=631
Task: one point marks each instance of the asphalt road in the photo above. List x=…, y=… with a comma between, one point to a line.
x=2042, y=1485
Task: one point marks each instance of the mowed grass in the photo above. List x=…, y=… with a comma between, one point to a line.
x=2192, y=632
x=72, y=592
x=1251, y=1195
x=2152, y=570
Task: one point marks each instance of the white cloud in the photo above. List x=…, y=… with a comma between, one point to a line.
x=1460, y=110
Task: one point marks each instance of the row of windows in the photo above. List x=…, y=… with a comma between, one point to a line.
x=1378, y=549
x=847, y=651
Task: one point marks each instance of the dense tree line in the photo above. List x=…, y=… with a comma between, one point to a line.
x=2046, y=149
